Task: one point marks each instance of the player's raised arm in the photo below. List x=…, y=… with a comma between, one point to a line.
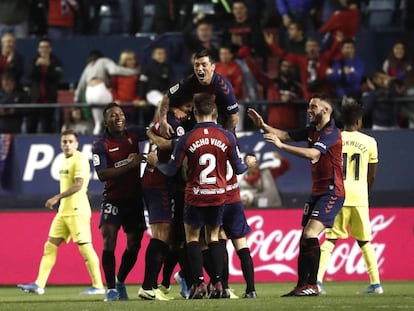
x=260, y=123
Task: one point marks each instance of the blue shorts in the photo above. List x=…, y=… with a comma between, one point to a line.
x=323, y=208
x=200, y=216
x=234, y=221
x=126, y=213
x=159, y=206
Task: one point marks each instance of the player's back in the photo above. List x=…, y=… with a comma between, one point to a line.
x=207, y=148
x=358, y=150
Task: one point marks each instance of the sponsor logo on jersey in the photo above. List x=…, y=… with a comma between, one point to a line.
x=174, y=88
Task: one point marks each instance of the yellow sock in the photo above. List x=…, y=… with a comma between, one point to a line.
x=46, y=264
x=371, y=262
x=92, y=264
x=326, y=251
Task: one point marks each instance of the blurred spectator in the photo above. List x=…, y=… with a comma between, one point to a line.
x=229, y=68
x=202, y=37
x=312, y=66
x=94, y=83
x=242, y=31
x=346, y=73
x=296, y=40
x=284, y=87
x=345, y=21
x=10, y=118
x=14, y=18
x=44, y=75
x=10, y=59
x=61, y=18
x=299, y=10
x=379, y=105
x=125, y=88
x=245, y=34
x=258, y=186
x=77, y=123
x=132, y=15
x=166, y=16
x=407, y=108
x=398, y=62
x=156, y=77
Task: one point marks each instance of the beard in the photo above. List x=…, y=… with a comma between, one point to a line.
x=317, y=119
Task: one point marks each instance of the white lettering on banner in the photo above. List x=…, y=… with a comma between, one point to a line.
x=271, y=249
x=40, y=156
x=276, y=251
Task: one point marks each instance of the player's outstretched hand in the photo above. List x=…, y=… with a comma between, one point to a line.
x=255, y=117
x=152, y=158
x=272, y=138
x=166, y=129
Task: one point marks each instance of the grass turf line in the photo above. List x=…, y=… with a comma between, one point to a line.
x=341, y=296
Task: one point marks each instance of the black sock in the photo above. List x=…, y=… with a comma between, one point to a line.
x=208, y=263
x=170, y=262
x=225, y=272
x=185, y=266
x=303, y=271
x=108, y=265
x=247, y=267
x=129, y=258
x=196, y=262
x=313, y=255
x=217, y=255
x=154, y=258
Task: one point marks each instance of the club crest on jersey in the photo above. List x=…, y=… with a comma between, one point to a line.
x=180, y=131
x=174, y=88
x=95, y=159
x=196, y=190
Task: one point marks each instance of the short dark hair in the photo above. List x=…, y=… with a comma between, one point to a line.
x=204, y=53
x=109, y=106
x=45, y=39
x=326, y=98
x=69, y=132
x=351, y=111
x=204, y=104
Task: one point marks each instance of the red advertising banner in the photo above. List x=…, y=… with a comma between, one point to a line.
x=273, y=242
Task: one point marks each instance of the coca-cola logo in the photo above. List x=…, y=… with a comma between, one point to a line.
x=275, y=251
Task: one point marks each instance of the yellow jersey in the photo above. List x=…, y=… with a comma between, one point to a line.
x=358, y=150
x=76, y=166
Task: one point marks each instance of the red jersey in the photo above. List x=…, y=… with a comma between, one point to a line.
x=207, y=147
x=153, y=177
x=327, y=172
x=109, y=151
x=61, y=13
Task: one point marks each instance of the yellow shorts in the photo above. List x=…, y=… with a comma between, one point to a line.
x=76, y=227
x=352, y=218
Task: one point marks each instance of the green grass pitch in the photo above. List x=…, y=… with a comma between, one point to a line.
x=341, y=296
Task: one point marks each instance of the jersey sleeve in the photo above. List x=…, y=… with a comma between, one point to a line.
x=224, y=90
x=299, y=134
x=235, y=158
x=176, y=160
x=328, y=137
x=373, y=151
x=140, y=131
x=99, y=157
x=82, y=167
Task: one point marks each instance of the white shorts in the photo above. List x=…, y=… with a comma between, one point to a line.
x=98, y=94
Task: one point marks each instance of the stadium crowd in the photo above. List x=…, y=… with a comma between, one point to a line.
x=276, y=51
